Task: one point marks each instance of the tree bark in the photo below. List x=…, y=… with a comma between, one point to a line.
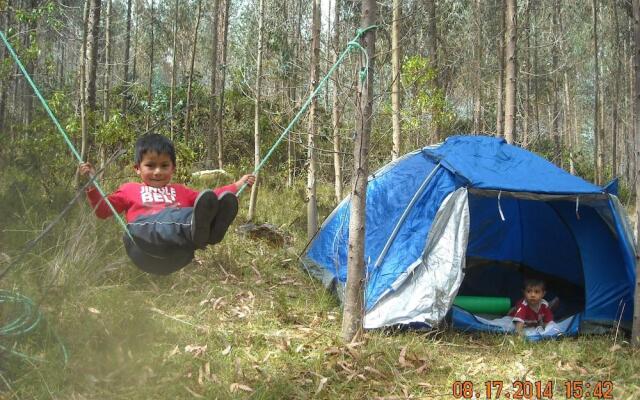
x=93, y=30
x=312, y=206
x=433, y=55
x=253, y=201
x=335, y=112
x=396, y=97
x=556, y=89
x=477, y=53
x=215, y=18
x=83, y=84
x=596, y=113
x=151, y=58
x=354, y=292
x=4, y=83
x=174, y=67
x=635, y=336
x=512, y=83
x=107, y=63
x=616, y=93
x=501, y=54
x=127, y=47
x=225, y=29
x=187, y=119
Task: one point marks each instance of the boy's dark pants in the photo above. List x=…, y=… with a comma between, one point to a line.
x=162, y=241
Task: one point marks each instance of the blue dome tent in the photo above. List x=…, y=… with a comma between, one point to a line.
x=473, y=216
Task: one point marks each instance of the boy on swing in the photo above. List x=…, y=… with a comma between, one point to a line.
x=167, y=221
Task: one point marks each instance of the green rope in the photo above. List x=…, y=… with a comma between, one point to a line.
x=60, y=129
x=25, y=321
x=353, y=44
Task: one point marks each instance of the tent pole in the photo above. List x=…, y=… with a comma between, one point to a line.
x=396, y=229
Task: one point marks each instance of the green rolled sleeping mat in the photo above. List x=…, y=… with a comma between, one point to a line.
x=483, y=305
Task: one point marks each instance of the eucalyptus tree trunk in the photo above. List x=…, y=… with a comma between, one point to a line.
x=174, y=67
x=256, y=116
x=151, y=57
x=433, y=55
x=83, y=83
x=615, y=162
x=4, y=83
x=107, y=63
x=556, y=89
x=501, y=53
x=106, y=77
x=477, y=55
x=187, y=119
x=635, y=336
x=127, y=47
x=596, y=113
x=396, y=66
x=30, y=64
x=335, y=112
x=312, y=206
x=93, y=29
x=225, y=29
x=211, y=140
x=527, y=69
x=512, y=82
x=353, y=314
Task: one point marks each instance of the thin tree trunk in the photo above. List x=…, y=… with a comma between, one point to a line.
x=253, y=201
x=354, y=292
x=635, y=336
x=312, y=206
x=396, y=56
x=30, y=65
x=501, y=54
x=335, y=114
x=512, y=82
x=477, y=97
x=554, y=66
x=433, y=55
x=225, y=29
x=4, y=84
x=127, y=47
x=616, y=95
x=151, y=57
x=83, y=80
x=293, y=82
x=174, y=66
x=596, y=113
x=93, y=30
x=187, y=119
x=215, y=18
x=107, y=63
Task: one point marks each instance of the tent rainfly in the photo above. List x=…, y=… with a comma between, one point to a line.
x=474, y=216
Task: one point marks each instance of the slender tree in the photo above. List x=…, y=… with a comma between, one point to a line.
x=224, y=30
x=312, y=206
x=477, y=55
x=107, y=62
x=4, y=83
x=501, y=54
x=211, y=140
x=432, y=26
x=616, y=92
x=354, y=293
x=125, y=63
x=256, y=116
x=93, y=29
x=174, y=66
x=335, y=112
x=187, y=119
x=511, y=76
x=596, y=113
x=152, y=18
x=636, y=123
x=396, y=58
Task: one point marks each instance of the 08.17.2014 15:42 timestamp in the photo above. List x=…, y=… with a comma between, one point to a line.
x=571, y=389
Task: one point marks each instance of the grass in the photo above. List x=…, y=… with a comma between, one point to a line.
x=244, y=321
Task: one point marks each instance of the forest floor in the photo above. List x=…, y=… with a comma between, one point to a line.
x=245, y=321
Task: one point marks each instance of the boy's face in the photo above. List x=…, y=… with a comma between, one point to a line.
x=534, y=294
x=155, y=170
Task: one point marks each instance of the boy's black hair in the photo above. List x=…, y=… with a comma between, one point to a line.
x=154, y=142
x=528, y=282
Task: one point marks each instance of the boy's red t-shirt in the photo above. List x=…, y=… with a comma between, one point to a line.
x=523, y=313
x=136, y=199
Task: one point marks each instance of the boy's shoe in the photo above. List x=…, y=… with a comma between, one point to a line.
x=227, y=211
x=204, y=211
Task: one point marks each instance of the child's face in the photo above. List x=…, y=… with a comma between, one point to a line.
x=155, y=169
x=534, y=294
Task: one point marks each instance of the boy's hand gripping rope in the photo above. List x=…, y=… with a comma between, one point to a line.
x=352, y=45
x=60, y=128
